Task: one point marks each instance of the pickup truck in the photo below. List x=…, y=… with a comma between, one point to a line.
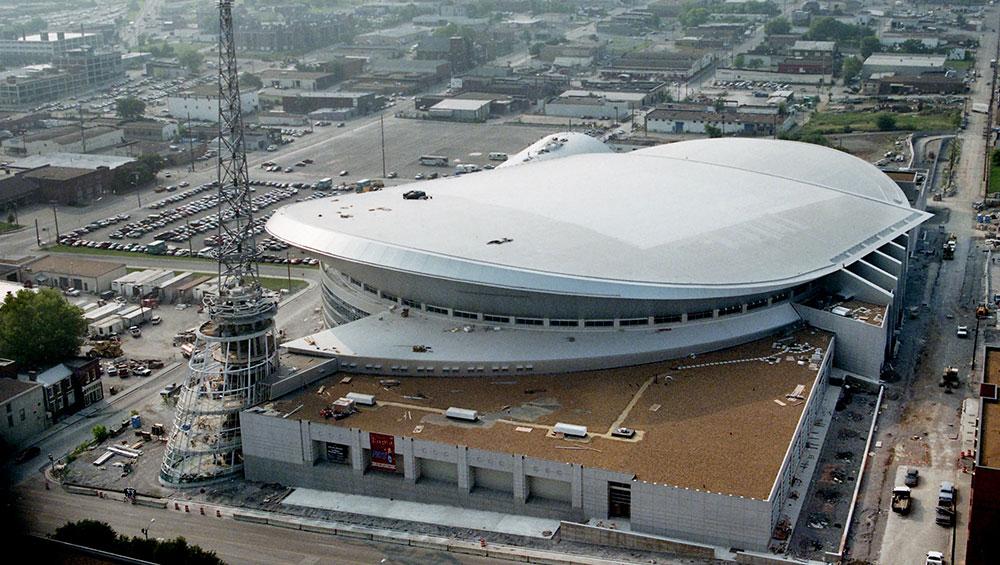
x=901, y=500
x=946, y=505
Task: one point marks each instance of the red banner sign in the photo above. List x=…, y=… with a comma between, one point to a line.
x=383, y=451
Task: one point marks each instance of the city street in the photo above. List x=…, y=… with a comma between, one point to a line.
x=920, y=424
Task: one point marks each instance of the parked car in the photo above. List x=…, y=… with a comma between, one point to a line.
x=155, y=320
x=135, y=331
x=912, y=477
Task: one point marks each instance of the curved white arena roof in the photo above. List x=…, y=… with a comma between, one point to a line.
x=695, y=219
x=555, y=146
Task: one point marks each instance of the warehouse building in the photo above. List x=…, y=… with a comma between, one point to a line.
x=86, y=275
x=461, y=110
x=902, y=64
x=202, y=104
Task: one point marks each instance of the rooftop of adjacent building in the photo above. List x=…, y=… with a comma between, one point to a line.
x=693, y=417
x=72, y=266
x=989, y=434
x=10, y=388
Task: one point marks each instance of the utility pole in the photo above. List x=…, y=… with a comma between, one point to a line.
x=190, y=239
x=38, y=236
x=190, y=143
x=381, y=127
x=135, y=188
x=83, y=134
x=289, y=265
x=56, y=216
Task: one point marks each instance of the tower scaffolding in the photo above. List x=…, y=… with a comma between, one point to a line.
x=236, y=350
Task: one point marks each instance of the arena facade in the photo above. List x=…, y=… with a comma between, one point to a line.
x=707, y=296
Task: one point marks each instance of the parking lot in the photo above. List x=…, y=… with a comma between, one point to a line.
x=907, y=539
x=355, y=148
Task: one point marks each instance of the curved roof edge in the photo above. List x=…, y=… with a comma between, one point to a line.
x=556, y=146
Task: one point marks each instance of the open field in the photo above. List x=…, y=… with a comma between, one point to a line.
x=846, y=122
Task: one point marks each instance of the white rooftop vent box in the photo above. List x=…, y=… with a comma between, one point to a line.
x=840, y=311
x=571, y=430
x=462, y=414
x=362, y=399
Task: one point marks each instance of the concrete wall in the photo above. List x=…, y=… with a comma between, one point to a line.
x=26, y=418
x=293, y=453
x=861, y=347
x=303, y=378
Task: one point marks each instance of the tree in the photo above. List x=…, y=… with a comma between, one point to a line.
x=713, y=131
x=99, y=535
x=850, y=69
x=694, y=17
x=251, y=81
x=739, y=61
x=777, y=26
x=130, y=108
x=100, y=432
x=870, y=44
x=191, y=59
x=885, y=122
x=995, y=158
x=37, y=328
x=755, y=63
x=912, y=46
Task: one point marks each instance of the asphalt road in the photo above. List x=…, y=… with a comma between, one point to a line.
x=234, y=542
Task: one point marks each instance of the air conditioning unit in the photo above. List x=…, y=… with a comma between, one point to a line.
x=462, y=414
x=570, y=430
x=362, y=399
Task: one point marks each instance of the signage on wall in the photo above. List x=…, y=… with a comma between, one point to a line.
x=383, y=451
x=336, y=453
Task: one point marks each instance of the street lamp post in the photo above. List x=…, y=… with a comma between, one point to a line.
x=145, y=531
x=135, y=185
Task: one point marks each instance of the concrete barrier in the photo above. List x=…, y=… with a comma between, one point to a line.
x=425, y=543
x=152, y=503
x=582, y=533
x=507, y=553
x=80, y=490
x=399, y=540
x=465, y=548
x=249, y=518
x=319, y=529
x=284, y=524
x=753, y=558
x=353, y=534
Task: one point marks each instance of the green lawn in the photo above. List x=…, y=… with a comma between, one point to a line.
x=278, y=283
x=829, y=122
x=994, y=180
x=7, y=226
x=960, y=65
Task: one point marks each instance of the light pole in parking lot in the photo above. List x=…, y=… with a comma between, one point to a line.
x=381, y=127
x=288, y=264
x=135, y=186
x=55, y=216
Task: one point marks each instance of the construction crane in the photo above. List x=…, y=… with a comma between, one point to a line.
x=235, y=352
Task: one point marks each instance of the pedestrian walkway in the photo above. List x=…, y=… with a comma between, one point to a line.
x=441, y=515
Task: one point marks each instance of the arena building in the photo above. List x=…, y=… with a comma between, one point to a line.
x=652, y=339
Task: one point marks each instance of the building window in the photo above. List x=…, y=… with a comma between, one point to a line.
x=411, y=303
x=22, y=414
x=370, y=288
x=492, y=318
x=598, y=323
x=529, y=321
x=354, y=281
x=699, y=315
x=436, y=309
x=734, y=309
x=780, y=297
x=389, y=297
x=671, y=319
x=468, y=315
x=10, y=421
x=633, y=322
x=757, y=304
x=565, y=323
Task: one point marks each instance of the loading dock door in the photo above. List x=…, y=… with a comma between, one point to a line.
x=619, y=500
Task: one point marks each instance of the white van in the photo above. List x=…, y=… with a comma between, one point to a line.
x=498, y=156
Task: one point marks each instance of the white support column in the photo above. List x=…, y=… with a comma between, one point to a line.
x=520, y=481
x=465, y=478
x=357, y=453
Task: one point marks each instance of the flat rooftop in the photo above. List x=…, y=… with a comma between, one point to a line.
x=693, y=418
x=989, y=439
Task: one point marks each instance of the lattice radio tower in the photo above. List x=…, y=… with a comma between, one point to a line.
x=235, y=351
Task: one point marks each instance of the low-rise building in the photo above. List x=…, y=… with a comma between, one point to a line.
x=22, y=407
x=305, y=101
x=44, y=47
x=701, y=120
x=87, y=275
x=595, y=105
x=202, y=104
x=461, y=110
x=902, y=64
x=86, y=379
x=284, y=78
x=57, y=386
x=153, y=130
x=63, y=139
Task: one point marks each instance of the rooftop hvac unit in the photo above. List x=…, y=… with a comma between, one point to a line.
x=462, y=414
x=362, y=399
x=840, y=311
x=571, y=430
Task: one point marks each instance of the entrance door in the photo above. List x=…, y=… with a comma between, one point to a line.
x=619, y=500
